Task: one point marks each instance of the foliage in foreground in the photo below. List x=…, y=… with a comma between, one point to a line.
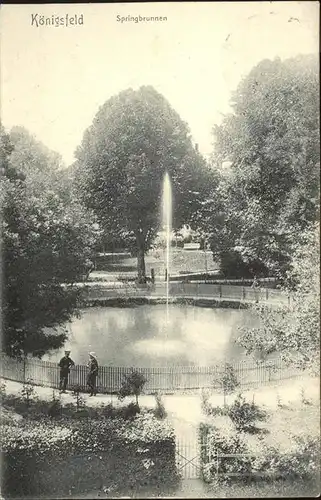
x=51, y=456
x=35, y=408
x=227, y=457
x=243, y=415
x=47, y=240
x=231, y=443
x=292, y=331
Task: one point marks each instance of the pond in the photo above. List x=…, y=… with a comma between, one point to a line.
x=141, y=336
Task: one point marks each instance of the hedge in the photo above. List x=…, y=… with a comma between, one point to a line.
x=49, y=459
x=138, y=301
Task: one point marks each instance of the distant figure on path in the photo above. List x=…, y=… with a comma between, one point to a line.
x=255, y=283
x=93, y=373
x=65, y=364
x=255, y=286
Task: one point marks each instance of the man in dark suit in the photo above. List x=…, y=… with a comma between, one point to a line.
x=65, y=364
x=93, y=373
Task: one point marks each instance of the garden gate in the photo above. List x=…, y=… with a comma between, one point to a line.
x=188, y=457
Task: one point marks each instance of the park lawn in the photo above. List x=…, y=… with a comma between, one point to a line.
x=295, y=419
x=281, y=426
x=181, y=261
x=275, y=489
x=272, y=489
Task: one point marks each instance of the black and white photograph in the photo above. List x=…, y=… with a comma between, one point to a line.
x=160, y=250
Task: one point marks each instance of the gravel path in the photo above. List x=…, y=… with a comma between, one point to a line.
x=188, y=407
x=184, y=413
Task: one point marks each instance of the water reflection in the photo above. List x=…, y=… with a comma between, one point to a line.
x=140, y=336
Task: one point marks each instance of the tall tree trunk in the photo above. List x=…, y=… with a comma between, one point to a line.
x=141, y=270
x=141, y=265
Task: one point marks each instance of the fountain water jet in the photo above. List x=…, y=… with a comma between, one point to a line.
x=167, y=224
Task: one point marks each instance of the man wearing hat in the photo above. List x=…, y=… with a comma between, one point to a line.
x=65, y=364
x=92, y=374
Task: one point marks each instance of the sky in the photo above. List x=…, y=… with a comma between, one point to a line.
x=54, y=79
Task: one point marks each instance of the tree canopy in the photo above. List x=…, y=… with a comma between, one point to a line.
x=46, y=247
x=263, y=215
x=134, y=139
x=270, y=193
x=293, y=331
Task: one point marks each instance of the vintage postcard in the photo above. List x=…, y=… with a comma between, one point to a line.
x=160, y=246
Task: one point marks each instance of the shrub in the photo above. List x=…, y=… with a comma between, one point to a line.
x=159, y=411
x=78, y=398
x=124, y=412
x=302, y=462
x=40, y=437
x=244, y=414
x=51, y=459
x=106, y=411
x=132, y=385
x=205, y=405
x=9, y=416
x=223, y=456
x=19, y=404
x=27, y=392
x=3, y=387
x=210, y=410
x=129, y=412
x=227, y=380
x=55, y=408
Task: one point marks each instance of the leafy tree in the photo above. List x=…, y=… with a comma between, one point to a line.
x=292, y=331
x=269, y=193
x=227, y=380
x=27, y=392
x=132, y=384
x=39, y=165
x=134, y=139
x=304, y=323
x=46, y=249
x=267, y=338
x=244, y=415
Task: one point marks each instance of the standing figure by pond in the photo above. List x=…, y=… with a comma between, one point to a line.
x=65, y=364
x=93, y=373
